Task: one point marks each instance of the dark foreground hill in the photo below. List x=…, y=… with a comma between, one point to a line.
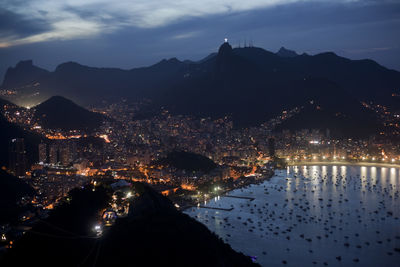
x=188, y=161
x=12, y=190
x=10, y=131
x=154, y=234
x=60, y=113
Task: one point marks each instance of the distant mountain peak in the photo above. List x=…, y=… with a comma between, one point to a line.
x=225, y=49
x=169, y=62
x=23, y=73
x=58, y=99
x=283, y=52
x=70, y=65
x=173, y=59
x=24, y=63
x=224, y=57
x=329, y=54
x=58, y=112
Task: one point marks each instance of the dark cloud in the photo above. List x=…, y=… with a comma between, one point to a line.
x=15, y=24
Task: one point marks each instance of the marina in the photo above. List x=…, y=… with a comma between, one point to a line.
x=313, y=215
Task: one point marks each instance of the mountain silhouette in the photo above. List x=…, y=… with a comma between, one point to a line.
x=60, y=113
x=283, y=52
x=24, y=73
x=250, y=84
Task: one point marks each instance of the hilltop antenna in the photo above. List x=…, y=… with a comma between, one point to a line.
x=245, y=43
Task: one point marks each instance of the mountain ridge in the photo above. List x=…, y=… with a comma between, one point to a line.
x=251, y=84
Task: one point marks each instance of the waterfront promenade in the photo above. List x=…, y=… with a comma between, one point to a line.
x=347, y=163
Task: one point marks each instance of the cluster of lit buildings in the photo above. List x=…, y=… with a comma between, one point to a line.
x=314, y=146
x=127, y=147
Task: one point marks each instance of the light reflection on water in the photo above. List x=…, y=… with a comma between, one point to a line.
x=307, y=214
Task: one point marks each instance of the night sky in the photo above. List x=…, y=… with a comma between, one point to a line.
x=135, y=33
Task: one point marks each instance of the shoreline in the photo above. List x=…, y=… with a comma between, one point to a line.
x=299, y=163
x=347, y=163
x=225, y=192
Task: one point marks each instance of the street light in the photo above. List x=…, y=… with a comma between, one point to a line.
x=97, y=229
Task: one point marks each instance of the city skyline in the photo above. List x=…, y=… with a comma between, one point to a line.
x=208, y=133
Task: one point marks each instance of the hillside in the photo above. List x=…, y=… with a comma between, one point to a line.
x=250, y=84
x=10, y=131
x=327, y=109
x=188, y=161
x=153, y=234
x=61, y=113
x=12, y=190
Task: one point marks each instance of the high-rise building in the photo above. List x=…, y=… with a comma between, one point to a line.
x=73, y=151
x=271, y=147
x=65, y=155
x=17, y=159
x=53, y=154
x=42, y=152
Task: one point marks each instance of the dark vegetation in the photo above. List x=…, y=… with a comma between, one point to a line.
x=327, y=109
x=153, y=234
x=65, y=237
x=12, y=190
x=188, y=161
x=60, y=113
x=9, y=131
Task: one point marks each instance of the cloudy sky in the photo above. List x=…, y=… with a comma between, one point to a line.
x=132, y=33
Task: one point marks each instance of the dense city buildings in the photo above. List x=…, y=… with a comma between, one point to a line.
x=128, y=147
